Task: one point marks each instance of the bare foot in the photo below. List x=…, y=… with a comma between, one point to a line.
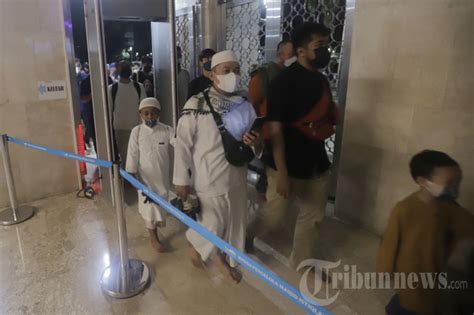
x=158, y=246
x=236, y=274
x=155, y=242
x=230, y=274
x=195, y=257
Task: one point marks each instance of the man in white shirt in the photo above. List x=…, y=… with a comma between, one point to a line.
x=220, y=186
x=124, y=99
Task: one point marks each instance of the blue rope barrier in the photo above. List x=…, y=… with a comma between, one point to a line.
x=64, y=154
x=263, y=273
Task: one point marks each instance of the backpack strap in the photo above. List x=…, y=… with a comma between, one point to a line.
x=139, y=90
x=265, y=81
x=200, y=105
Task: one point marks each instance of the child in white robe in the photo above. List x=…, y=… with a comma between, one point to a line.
x=148, y=159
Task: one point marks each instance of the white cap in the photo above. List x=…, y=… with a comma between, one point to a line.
x=223, y=56
x=149, y=102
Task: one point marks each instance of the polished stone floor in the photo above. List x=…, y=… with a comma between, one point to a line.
x=52, y=264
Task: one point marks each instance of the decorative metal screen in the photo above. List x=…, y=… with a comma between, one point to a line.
x=245, y=34
x=182, y=40
x=332, y=14
x=246, y=27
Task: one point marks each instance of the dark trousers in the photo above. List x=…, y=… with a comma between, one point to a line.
x=87, y=116
x=394, y=308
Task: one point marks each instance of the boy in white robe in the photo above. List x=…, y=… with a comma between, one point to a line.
x=148, y=159
x=220, y=186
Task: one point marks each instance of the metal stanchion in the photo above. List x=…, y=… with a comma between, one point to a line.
x=15, y=214
x=126, y=277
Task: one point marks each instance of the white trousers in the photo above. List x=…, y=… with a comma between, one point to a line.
x=225, y=216
x=152, y=214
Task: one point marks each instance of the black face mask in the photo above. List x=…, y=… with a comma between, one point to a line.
x=323, y=56
x=450, y=192
x=207, y=66
x=126, y=73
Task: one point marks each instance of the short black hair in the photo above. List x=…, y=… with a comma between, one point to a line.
x=147, y=59
x=283, y=42
x=303, y=34
x=424, y=163
x=125, y=63
x=206, y=53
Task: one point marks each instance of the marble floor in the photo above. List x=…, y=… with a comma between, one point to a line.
x=52, y=264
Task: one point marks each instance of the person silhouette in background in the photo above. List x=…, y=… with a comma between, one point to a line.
x=202, y=82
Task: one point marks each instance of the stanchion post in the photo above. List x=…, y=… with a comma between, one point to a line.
x=121, y=229
x=126, y=277
x=15, y=214
x=7, y=166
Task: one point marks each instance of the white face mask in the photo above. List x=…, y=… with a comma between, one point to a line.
x=450, y=192
x=434, y=189
x=228, y=82
x=290, y=61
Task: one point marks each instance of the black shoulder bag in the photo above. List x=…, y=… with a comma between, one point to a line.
x=237, y=153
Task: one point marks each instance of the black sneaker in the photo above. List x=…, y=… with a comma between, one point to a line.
x=249, y=247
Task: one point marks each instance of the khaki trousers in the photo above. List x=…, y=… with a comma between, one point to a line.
x=310, y=197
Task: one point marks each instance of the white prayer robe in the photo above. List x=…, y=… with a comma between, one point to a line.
x=148, y=157
x=220, y=186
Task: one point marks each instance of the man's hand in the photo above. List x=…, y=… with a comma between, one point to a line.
x=283, y=185
x=251, y=138
x=182, y=191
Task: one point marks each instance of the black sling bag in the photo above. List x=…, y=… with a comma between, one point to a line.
x=237, y=153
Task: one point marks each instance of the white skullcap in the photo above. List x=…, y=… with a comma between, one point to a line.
x=223, y=56
x=149, y=102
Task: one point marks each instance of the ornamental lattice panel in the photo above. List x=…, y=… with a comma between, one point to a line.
x=245, y=35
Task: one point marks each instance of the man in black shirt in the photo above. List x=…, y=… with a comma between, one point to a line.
x=145, y=76
x=297, y=164
x=202, y=82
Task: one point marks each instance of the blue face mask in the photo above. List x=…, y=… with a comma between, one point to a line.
x=207, y=66
x=151, y=123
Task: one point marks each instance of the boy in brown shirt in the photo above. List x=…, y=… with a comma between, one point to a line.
x=422, y=231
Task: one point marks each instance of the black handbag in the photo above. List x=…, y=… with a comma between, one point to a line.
x=237, y=153
x=192, y=212
x=178, y=203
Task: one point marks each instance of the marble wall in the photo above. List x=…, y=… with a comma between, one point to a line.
x=32, y=49
x=411, y=87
